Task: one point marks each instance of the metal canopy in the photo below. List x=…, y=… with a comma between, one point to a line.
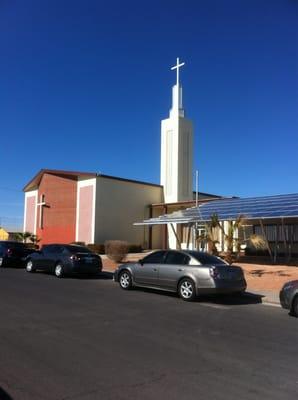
x=281, y=206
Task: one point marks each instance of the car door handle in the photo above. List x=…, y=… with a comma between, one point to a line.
x=181, y=269
x=154, y=269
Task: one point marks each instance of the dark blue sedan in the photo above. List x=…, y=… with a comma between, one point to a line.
x=64, y=259
x=13, y=254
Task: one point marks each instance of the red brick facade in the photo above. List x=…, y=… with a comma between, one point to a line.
x=59, y=214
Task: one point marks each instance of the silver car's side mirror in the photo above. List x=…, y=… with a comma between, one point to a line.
x=141, y=262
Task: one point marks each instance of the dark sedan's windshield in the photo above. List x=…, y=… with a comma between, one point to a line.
x=78, y=249
x=205, y=258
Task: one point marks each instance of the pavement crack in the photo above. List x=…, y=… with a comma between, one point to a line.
x=81, y=395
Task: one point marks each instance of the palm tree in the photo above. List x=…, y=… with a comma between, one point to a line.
x=230, y=239
x=23, y=236
x=210, y=235
x=232, y=242
x=27, y=236
x=34, y=239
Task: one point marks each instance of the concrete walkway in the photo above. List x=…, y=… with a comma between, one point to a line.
x=267, y=280
x=268, y=296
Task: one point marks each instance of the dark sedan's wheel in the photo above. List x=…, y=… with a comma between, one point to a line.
x=29, y=266
x=294, y=310
x=187, y=290
x=125, y=280
x=59, y=271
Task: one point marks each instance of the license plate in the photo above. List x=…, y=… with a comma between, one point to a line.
x=89, y=260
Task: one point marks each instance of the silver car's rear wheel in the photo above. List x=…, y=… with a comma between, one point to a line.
x=187, y=290
x=125, y=280
x=29, y=266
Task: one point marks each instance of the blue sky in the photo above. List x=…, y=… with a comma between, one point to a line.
x=84, y=85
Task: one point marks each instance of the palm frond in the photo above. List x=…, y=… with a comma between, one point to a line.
x=258, y=241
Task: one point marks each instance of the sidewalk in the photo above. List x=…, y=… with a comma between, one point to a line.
x=268, y=296
x=267, y=280
x=263, y=280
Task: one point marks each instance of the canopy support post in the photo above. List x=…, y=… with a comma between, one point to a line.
x=275, y=243
x=266, y=240
x=188, y=236
x=176, y=236
x=287, y=249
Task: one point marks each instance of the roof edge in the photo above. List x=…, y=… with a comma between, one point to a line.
x=43, y=171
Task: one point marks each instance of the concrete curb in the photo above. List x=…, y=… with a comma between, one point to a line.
x=267, y=297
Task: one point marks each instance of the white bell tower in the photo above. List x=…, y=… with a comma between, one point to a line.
x=177, y=149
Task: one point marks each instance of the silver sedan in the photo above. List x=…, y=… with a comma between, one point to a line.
x=289, y=297
x=190, y=273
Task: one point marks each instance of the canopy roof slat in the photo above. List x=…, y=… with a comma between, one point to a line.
x=253, y=208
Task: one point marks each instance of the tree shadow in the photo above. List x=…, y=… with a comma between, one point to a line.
x=260, y=272
x=4, y=395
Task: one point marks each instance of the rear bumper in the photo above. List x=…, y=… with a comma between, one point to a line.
x=82, y=269
x=223, y=287
x=13, y=261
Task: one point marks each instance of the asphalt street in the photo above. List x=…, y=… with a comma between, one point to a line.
x=68, y=339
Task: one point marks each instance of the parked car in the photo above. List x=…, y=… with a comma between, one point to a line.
x=13, y=254
x=190, y=273
x=64, y=259
x=289, y=297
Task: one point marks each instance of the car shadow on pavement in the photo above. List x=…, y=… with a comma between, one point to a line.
x=101, y=276
x=223, y=299
x=4, y=395
x=232, y=299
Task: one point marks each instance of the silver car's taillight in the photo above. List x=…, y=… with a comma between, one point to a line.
x=214, y=272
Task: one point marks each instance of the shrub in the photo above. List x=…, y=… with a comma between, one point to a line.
x=31, y=246
x=79, y=243
x=256, y=252
x=116, y=250
x=97, y=248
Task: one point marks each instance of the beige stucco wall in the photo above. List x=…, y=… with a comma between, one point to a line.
x=121, y=203
x=3, y=234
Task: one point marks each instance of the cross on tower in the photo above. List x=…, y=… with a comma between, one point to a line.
x=177, y=66
x=41, y=205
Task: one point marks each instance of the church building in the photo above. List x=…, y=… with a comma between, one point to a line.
x=69, y=206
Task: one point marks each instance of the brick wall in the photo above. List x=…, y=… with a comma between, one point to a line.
x=59, y=216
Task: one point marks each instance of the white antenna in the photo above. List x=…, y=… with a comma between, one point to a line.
x=197, y=187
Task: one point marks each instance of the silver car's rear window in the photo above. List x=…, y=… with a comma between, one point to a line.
x=205, y=258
